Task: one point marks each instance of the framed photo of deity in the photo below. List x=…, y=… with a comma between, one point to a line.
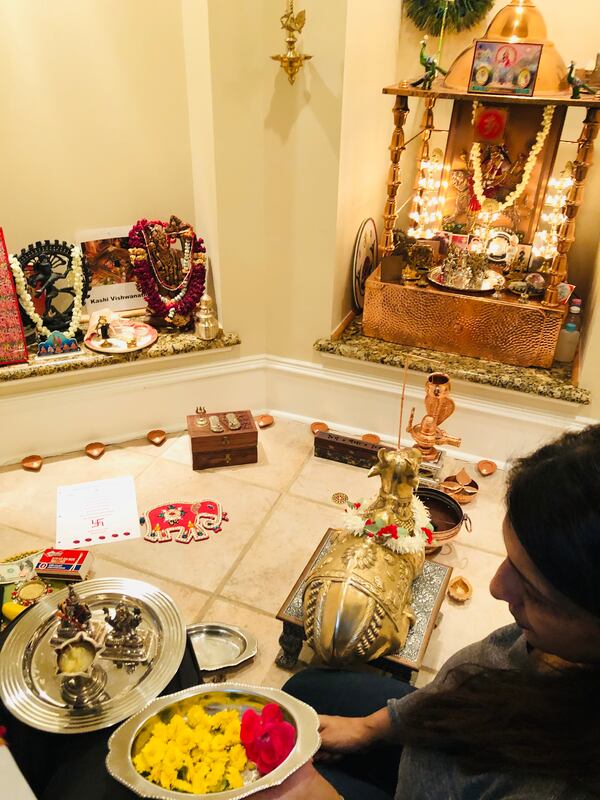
x=13, y=348
x=509, y=68
x=112, y=282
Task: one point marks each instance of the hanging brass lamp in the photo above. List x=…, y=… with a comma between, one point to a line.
x=519, y=22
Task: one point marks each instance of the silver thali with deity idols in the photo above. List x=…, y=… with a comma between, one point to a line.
x=33, y=689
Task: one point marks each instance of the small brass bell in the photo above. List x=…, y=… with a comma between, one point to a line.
x=206, y=325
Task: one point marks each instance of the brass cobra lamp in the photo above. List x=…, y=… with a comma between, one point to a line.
x=519, y=22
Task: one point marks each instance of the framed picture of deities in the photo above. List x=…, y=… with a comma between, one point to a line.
x=505, y=68
x=112, y=282
x=13, y=349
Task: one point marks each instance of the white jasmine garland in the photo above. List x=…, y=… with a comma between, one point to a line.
x=27, y=302
x=355, y=519
x=512, y=198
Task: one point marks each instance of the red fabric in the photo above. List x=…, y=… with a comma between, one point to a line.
x=13, y=349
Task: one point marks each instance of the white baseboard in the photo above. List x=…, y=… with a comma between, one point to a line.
x=53, y=416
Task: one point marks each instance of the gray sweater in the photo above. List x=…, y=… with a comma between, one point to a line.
x=432, y=775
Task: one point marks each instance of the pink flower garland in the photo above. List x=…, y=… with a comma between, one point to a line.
x=147, y=283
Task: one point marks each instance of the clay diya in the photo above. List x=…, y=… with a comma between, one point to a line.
x=95, y=450
x=32, y=463
x=156, y=437
x=461, y=487
x=371, y=438
x=319, y=426
x=486, y=468
x=459, y=589
x=264, y=421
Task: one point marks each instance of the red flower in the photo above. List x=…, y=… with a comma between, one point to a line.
x=428, y=535
x=390, y=530
x=267, y=737
x=369, y=522
x=356, y=505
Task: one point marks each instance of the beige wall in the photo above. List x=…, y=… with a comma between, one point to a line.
x=94, y=128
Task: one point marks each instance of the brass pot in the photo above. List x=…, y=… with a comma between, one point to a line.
x=446, y=515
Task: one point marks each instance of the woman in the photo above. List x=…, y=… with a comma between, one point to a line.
x=514, y=717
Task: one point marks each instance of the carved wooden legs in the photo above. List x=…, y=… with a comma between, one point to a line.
x=566, y=232
x=400, y=112
x=291, y=640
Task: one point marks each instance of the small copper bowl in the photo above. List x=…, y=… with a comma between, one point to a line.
x=446, y=514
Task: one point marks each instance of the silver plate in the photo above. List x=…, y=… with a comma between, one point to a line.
x=491, y=282
x=217, y=646
x=30, y=689
x=121, y=744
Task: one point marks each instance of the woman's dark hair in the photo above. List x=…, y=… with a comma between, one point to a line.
x=547, y=723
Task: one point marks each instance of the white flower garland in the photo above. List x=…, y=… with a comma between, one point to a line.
x=512, y=198
x=354, y=522
x=27, y=303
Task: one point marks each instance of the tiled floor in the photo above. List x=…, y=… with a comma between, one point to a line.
x=279, y=510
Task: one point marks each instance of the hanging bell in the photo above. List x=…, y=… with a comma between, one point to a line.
x=206, y=323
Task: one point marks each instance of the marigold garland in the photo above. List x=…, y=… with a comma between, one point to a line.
x=428, y=15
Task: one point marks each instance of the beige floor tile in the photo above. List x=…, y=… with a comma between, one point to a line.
x=320, y=478
x=28, y=499
x=204, y=564
x=262, y=671
x=277, y=557
x=463, y=624
x=486, y=511
x=424, y=677
x=486, y=515
x=190, y=602
x=282, y=449
x=14, y=541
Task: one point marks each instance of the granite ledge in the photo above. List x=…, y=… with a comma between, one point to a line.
x=167, y=344
x=554, y=383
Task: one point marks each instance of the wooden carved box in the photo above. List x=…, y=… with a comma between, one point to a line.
x=223, y=448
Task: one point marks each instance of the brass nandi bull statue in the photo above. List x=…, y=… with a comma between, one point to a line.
x=357, y=599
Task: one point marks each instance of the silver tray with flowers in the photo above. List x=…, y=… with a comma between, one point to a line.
x=223, y=741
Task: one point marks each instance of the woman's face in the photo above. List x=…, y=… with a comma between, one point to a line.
x=550, y=621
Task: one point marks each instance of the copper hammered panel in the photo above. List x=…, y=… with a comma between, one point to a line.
x=512, y=333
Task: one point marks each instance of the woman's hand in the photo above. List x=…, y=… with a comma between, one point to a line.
x=303, y=784
x=342, y=735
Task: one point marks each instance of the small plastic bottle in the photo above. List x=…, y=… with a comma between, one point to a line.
x=574, y=316
x=568, y=340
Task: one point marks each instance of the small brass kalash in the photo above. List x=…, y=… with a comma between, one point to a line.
x=357, y=600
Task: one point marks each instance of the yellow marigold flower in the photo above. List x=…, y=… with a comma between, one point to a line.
x=140, y=763
x=234, y=779
x=161, y=731
x=176, y=723
x=173, y=756
x=153, y=751
x=184, y=739
x=197, y=716
x=168, y=778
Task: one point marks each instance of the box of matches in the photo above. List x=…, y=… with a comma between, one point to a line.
x=66, y=565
